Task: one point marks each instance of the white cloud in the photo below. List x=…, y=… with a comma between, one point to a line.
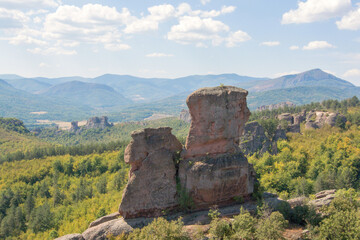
x=11, y=19
x=270, y=44
x=92, y=23
x=316, y=10
x=28, y=4
x=204, y=2
x=352, y=73
x=350, y=21
x=294, y=47
x=237, y=37
x=159, y=55
x=185, y=9
x=194, y=28
x=151, y=22
x=317, y=45
x=116, y=46
x=52, y=51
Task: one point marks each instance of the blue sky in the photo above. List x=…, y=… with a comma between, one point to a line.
x=260, y=38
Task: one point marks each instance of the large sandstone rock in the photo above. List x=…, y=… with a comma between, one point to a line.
x=254, y=139
x=151, y=188
x=213, y=170
x=218, y=116
x=286, y=117
x=323, y=198
x=217, y=181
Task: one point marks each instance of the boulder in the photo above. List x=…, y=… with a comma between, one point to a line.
x=111, y=228
x=293, y=128
x=254, y=139
x=299, y=117
x=218, y=116
x=185, y=116
x=74, y=236
x=151, y=188
x=280, y=134
x=323, y=198
x=74, y=127
x=104, y=219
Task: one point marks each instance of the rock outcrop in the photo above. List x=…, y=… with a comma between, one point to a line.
x=151, y=188
x=323, y=198
x=103, y=219
x=185, y=116
x=74, y=236
x=74, y=127
x=218, y=116
x=213, y=169
x=275, y=106
x=318, y=119
x=97, y=122
x=254, y=139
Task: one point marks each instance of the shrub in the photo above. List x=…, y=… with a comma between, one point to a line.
x=244, y=225
x=271, y=228
x=160, y=229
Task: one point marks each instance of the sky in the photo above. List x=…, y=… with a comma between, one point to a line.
x=152, y=38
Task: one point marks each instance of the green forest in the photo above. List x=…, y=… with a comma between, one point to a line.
x=57, y=182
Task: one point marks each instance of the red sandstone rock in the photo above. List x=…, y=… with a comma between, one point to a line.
x=151, y=188
x=218, y=116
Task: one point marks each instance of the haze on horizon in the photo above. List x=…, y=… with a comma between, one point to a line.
x=52, y=38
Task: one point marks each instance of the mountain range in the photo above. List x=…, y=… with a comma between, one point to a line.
x=126, y=98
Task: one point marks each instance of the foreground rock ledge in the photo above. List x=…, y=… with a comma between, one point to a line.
x=151, y=188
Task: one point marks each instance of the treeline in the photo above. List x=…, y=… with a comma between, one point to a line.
x=76, y=150
x=326, y=105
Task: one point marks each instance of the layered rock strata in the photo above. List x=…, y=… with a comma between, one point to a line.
x=213, y=169
x=151, y=188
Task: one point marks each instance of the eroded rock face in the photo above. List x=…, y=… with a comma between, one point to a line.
x=217, y=181
x=254, y=139
x=97, y=122
x=318, y=119
x=213, y=169
x=151, y=188
x=218, y=116
x=185, y=116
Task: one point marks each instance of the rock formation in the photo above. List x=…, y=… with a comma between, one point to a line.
x=185, y=116
x=213, y=169
x=318, y=119
x=218, y=116
x=97, y=122
x=74, y=127
x=275, y=106
x=254, y=139
x=152, y=182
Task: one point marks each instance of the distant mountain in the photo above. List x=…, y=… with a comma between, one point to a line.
x=313, y=78
x=300, y=95
x=28, y=84
x=89, y=94
x=10, y=76
x=26, y=106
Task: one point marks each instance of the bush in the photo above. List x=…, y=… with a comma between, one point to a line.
x=271, y=228
x=244, y=225
x=220, y=228
x=160, y=229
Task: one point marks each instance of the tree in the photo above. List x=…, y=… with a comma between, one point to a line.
x=101, y=185
x=42, y=219
x=271, y=228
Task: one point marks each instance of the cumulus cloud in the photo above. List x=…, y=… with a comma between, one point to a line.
x=156, y=55
x=352, y=73
x=270, y=43
x=52, y=51
x=236, y=37
x=294, y=47
x=317, y=45
x=12, y=18
x=350, y=21
x=204, y=2
x=28, y=4
x=185, y=9
x=316, y=10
